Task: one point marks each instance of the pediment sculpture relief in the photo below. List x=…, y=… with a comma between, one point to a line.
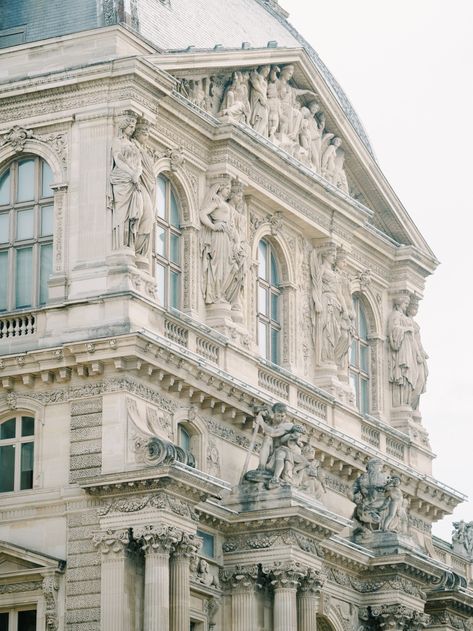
x=267, y=99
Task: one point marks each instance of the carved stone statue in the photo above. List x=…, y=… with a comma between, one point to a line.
x=259, y=99
x=462, y=537
x=203, y=575
x=125, y=179
x=333, y=315
x=148, y=192
x=404, y=367
x=379, y=502
x=421, y=357
x=223, y=249
x=284, y=459
x=236, y=102
x=333, y=159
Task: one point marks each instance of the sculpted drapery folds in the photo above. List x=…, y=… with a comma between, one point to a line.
x=133, y=187
x=408, y=362
x=332, y=314
x=224, y=251
x=267, y=99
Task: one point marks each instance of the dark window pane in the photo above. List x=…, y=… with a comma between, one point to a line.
x=174, y=290
x=263, y=300
x=174, y=248
x=275, y=307
x=184, y=438
x=5, y=227
x=364, y=362
x=274, y=271
x=364, y=397
x=24, y=277
x=27, y=426
x=262, y=249
x=174, y=218
x=46, y=180
x=7, y=468
x=3, y=281
x=26, y=478
x=275, y=346
x=46, y=268
x=161, y=197
x=27, y=620
x=8, y=429
x=5, y=187
x=208, y=545
x=47, y=223
x=25, y=180
x=25, y=224
x=4, y=621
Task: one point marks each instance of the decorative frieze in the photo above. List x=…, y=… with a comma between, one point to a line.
x=160, y=501
x=264, y=541
x=394, y=617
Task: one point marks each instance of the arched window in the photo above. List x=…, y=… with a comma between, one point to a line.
x=359, y=358
x=16, y=453
x=167, y=248
x=26, y=233
x=269, y=293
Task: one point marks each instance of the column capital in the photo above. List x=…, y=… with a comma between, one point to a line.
x=241, y=578
x=157, y=539
x=395, y=617
x=115, y=541
x=285, y=574
x=312, y=581
x=186, y=547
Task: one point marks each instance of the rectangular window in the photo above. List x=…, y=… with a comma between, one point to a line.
x=25, y=224
x=262, y=339
x=161, y=241
x=27, y=426
x=46, y=268
x=208, y=544
x=161, y=198
x=364, y=361
x=8, y=429
x=24, y=277
x=174, y=248
x=26, y=473
x=46, y=181
x=364, y=396
x=4, y=621
x=161, y=283
x=47, y=221
x=5, y=188
x=262, y=300
x=7, y=468
x=174, y=290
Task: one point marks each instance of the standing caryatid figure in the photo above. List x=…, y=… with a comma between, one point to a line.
x=327, y=305
x=125, y=179
x=403, y=369
x=148, y=191
x=421, y=356
x=347, y=313
x=259, y=99
x=223, y=254
x=241, y=249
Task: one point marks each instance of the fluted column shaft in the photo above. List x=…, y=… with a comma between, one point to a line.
x=244, y=609
x=156, y=542
x=285, y=609
x=307, y=611
x=116, y=613
x=183, y=552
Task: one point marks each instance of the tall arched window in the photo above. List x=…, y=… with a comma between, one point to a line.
x=167, y=245
x=359, y=358
x=26, y=233
x=269, y=293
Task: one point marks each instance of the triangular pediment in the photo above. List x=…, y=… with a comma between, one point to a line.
x=17, y=560
x=282, y=96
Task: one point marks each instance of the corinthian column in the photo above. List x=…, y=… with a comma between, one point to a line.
x=308, y=600
x=156, y=542
x=241, y=581
x=395, y=617
x=117, y=613
x=183, y=551
x=285, y=578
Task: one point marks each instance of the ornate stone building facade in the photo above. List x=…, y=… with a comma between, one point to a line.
x=211, y=370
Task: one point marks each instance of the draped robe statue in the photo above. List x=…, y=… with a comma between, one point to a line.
x=403, y=369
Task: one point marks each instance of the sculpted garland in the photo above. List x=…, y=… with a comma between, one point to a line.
x=267, y=100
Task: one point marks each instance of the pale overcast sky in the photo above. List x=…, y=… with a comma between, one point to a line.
x=407, y=68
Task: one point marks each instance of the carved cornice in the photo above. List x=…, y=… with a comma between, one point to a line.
x=448, y=619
